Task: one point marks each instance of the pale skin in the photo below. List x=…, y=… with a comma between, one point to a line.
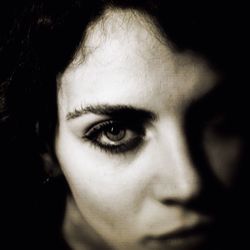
x=122, y=196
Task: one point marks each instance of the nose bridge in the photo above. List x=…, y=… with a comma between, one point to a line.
x=177, y=178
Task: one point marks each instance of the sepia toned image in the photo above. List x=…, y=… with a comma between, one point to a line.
x=124, y=124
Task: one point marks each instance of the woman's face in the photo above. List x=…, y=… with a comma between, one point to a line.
x=122, y=141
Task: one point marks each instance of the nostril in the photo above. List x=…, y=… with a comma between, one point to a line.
x=178, y=188
x=184, y=195
x=171, y=202
x=207, y=201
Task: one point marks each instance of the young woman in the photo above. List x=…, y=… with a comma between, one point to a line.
x=139, y=105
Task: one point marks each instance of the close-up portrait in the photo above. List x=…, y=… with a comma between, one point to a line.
x=124, y=124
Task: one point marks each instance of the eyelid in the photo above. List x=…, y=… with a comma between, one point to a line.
x=140, y=128
x=98, y=127
x=93, y=124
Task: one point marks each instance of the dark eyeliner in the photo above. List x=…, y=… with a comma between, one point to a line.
x=93, y=133
x=117, y=149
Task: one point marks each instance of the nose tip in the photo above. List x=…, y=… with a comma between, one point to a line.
x=180, y=186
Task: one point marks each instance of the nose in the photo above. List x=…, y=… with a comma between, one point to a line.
x=176, y=178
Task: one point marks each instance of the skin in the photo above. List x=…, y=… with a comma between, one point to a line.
x=124, y=198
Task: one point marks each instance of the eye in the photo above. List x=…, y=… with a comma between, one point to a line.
x=114, y=136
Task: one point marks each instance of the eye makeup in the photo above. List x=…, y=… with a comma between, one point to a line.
x=114, y=136
x=120, y=128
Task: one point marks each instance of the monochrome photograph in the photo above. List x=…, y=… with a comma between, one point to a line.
x=124, y=124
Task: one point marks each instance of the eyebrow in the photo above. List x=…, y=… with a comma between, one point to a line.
x=119, y=112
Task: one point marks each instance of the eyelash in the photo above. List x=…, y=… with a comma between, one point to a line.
x=98, y=131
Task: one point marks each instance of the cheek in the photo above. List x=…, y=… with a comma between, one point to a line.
x=224, y=156
x=105, y=187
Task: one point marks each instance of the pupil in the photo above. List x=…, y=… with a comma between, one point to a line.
x=115, y=133
x=114, y=130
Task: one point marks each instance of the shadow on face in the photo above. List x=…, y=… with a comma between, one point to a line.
x=147, y=138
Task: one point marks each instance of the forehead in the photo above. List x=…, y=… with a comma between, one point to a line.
x=125, y=56
x=116, y=28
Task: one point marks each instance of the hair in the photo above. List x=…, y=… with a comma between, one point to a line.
x=42, y=38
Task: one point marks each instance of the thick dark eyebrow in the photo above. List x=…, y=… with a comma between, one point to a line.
x=119, y=112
